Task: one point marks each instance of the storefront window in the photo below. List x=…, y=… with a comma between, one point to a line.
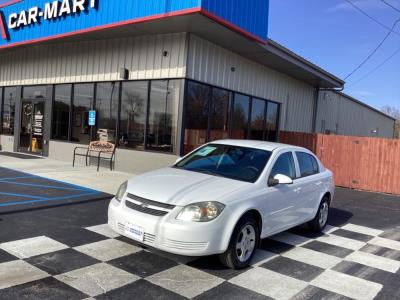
x=220, y=114
x=163, y=115
x=133, y=114
x=197, y=109
x=272, y=122
x=257, y=119
x=9, y=110
x=82, y=104
x=34, y=92
x=107, y=98
x=61, y=110
x=240, y=118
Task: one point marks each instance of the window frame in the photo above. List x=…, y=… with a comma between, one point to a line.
x=276, y=160
x=300, y=176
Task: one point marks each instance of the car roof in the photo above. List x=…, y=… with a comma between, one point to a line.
x=268, y=146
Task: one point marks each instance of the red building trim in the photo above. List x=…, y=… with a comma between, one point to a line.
x=3, y=27
x=11, y=2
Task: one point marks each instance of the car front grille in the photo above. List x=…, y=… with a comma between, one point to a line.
x=147, y=206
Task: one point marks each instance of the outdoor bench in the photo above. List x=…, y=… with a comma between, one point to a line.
x=97, y=150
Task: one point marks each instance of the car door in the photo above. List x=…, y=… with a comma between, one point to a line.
x=309, y=185
x=279, y=205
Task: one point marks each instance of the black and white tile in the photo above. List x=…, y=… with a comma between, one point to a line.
x=348, y=262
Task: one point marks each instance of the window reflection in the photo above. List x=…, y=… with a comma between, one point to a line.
x=9, y=110
x=211, y=115
x=34, y=92
x=220, y=114
x=197, y=110
x=107, y=98
x=163, y=114
x=61, y=111
x=257, y=119
x=240, y=118
x=82, y=104
x=272, y=122
x=133, y=114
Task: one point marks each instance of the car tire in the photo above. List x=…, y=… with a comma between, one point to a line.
x=319, y=222
x=242, y=246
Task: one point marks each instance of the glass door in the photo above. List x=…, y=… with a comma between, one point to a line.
x=32, y=121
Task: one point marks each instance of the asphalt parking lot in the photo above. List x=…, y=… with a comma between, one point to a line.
x=55, y=244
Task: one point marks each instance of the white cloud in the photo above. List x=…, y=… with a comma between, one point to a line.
x=344, y=6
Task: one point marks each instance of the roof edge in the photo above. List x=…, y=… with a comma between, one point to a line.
x=364, y=104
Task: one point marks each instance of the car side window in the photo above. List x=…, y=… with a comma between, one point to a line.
x=307, y=163
x=284, y=165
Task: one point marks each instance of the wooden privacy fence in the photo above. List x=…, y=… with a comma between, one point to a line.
x=370, y=164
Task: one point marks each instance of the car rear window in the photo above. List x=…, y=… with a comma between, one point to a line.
x=307, y=163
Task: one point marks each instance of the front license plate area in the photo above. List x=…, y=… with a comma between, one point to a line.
x=134, y=231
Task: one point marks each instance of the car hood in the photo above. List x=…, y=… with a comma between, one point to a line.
x=180, y=187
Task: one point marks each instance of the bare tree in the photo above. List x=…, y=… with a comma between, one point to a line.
x=395, y=113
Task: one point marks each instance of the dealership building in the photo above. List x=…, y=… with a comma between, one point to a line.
x=160, y=77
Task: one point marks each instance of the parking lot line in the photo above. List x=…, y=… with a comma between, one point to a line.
x=20, y=195
x=42, y=186
x=19, y=177
x=40, y=199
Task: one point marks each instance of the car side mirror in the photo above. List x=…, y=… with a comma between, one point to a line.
x=279, y=179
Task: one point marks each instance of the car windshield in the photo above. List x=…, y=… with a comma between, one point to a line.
x=234, y=162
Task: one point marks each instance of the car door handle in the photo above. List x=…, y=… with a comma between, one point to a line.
x=297, y=190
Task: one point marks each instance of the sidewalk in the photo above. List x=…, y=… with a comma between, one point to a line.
x=104, y=181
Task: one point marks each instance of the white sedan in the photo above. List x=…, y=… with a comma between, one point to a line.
x=223, y=198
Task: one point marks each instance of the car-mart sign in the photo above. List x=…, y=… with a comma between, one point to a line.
x=50, y=11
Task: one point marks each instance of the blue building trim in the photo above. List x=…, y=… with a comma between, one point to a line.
x=31, y=21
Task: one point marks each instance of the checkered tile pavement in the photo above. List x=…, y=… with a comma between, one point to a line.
x=349, y=262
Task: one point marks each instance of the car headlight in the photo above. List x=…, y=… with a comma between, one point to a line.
x=201, y=212
x=121, y=191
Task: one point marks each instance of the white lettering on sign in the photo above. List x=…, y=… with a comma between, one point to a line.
x=52, y=10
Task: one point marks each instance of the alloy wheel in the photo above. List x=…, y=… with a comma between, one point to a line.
x=246, y=243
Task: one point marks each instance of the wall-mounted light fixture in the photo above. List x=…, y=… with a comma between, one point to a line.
x=124, y=73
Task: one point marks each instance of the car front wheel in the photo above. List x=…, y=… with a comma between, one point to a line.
x=319, y=222
x=242, y=246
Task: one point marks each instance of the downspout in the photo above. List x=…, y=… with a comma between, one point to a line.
x=315, y=112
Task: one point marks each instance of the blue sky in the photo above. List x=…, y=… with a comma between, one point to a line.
x=335, y=36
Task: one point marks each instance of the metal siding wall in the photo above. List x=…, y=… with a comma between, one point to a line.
x=352, y=118
x=98, y=60
x=212, y=64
